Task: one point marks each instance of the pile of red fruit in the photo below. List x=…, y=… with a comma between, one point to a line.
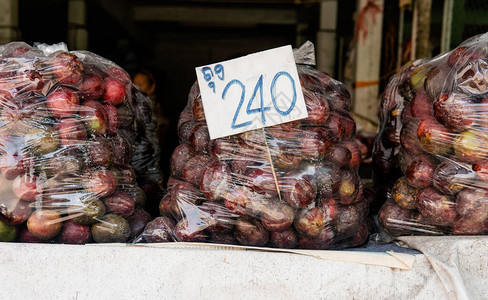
x=290, y=185
x=435, y=127
x=66, y=135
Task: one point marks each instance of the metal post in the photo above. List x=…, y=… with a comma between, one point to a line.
x=9, y=21
x=400, y=38
x=77, y=33
x=446, y=25
x=368, y=60
x=423, y=8
x=326, y=37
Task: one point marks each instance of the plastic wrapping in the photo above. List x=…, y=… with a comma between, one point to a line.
x=66, y=144
x=290, y=185
x=145, y=160
x=434, y=130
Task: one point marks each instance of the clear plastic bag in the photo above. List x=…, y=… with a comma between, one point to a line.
x=66, y=144
x=293, y=185
x=145, y=160
x=434, y=131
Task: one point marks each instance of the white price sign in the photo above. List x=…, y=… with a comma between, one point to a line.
x=254, y=91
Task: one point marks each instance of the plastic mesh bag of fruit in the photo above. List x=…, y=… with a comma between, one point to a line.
x=293, y=185
x=435, y=131
x=66, y=143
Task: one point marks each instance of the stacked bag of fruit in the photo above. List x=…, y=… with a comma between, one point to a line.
x=65, y=148
x=293, y=185
x=386, y=145
x=145, y=160
x=440, y=142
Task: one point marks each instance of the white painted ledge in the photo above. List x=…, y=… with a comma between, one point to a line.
x=40, y=271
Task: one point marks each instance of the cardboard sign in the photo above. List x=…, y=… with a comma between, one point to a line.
x=251, y=92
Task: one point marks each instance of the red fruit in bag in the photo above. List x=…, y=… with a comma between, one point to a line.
x=63, y=102
x=44, y=224
x=114, y=93
x=438, y=208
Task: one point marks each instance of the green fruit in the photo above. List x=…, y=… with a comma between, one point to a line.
x=91, y=212
x=7, y=232
x=111, y=229
x=471, y=146
x=418, y=77
x=42, y=140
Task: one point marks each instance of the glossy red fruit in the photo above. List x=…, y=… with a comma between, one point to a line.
x=114, y=93
x=481, y=170
x=187, y=231
x=404, y=194
x=262, y=181
x=199, y=138
x=216, y=180
x=434, y=137
x=421, y=105
x=101, y=183
x=438, y=208
x=277, y=216
x=250, y=232
x=286, y=239
x=330, y=208
x=67, y=68
x=317, y=107
x=217, y=217
x=71, y=132
x=468, y=226
x=91, y=88
x=122, y=150
x=450, y=177
x=44, y=224
x=113, y=119
x=456, y=111
x=194, y=167
x=119, y=203
x=409, y=139
x=355, y=151
x=138, y=221
x=349, y=220
x=437, y=81
x=323, y=240
x=159, y=230
x=420, y=171
x=198, y=112
x=63, y=102
x=472, y=203
x=242, y=201
x=181, y=155
x=340, y=155
x=298, y=190
x=100, y=152
x=27, y=187
x=18, y=214
x=341, y=126
x=74, y=233
x=463, y=55
x=311, y=222
x=94, y=116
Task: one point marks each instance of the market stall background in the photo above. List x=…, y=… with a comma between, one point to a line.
x=173, y=37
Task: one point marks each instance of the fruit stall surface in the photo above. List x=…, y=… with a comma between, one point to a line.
x=448, y=268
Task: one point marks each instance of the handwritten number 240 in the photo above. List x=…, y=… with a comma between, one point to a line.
x=259, y=88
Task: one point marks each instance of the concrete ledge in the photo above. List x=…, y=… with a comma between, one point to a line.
x=132, y=272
